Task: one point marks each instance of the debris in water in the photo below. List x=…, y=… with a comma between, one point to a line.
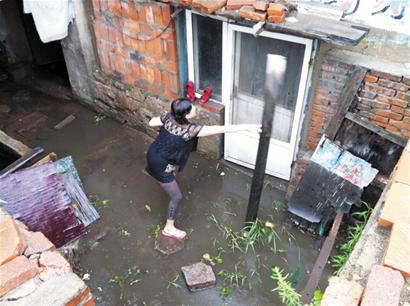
x=86, y=276
x=63, y=123
x=148, y=208
x=98, y=118
x=222, y=173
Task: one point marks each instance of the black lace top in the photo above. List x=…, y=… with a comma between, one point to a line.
x=173, y=145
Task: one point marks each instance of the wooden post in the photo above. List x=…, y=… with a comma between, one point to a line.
x=274, y=78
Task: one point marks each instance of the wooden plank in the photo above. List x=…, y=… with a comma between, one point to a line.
x=64, y=122
x=21, y=162
x=275, y=75
x=322, y=260
x=398, y=250
x=345, y=100
x=15, y=145
x=52, y=157
x=401, y=141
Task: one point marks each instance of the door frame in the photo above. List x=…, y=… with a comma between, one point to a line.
x=227, y=88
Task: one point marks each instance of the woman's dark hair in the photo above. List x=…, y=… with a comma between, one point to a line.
x=179, y=109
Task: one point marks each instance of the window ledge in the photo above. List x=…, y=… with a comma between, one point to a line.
x=213, y=107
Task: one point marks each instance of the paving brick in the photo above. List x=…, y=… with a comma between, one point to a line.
x=208, y=6
x=341, y=292
x=383, y=287
x=397, y=205
x=398, y=250
x=249, y=12
x=237, y=4
x=16, y=272
x=199, y=276
x=37, y=243
x=12, y=242
x=50, y=292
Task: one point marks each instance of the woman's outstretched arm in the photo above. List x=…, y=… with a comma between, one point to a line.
x=209, y=130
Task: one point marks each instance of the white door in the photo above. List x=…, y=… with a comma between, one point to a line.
x=243, y=75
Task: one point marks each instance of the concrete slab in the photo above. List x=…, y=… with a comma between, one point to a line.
x=199, y=276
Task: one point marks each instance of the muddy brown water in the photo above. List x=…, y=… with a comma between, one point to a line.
x=109, y=158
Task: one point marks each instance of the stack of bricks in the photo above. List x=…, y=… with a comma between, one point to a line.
x=33, y=272
x=385, y=101
x=131, y=47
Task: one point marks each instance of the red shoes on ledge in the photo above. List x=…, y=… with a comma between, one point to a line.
x=190, y=93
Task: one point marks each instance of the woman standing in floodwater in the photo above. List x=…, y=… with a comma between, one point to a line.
x=170, y=151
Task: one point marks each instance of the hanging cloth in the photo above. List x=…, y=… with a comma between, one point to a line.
x=51, y=17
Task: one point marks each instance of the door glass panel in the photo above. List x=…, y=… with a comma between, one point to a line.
x=207, y=34
x=249, y=81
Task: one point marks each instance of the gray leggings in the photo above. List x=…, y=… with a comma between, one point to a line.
x=172, y=189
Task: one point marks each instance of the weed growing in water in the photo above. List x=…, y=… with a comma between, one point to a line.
x=154, y=230
x=132, y=277
x=287, y=293
x=353, y=234
x=213, y=261
x=173, y=283
x=99, y=118
x=234, y=278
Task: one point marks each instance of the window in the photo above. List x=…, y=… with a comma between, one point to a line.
x=205, y=53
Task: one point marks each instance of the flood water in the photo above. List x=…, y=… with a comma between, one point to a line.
x=109, y=158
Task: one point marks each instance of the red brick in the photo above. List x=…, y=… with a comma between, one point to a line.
x=398, y=250
x=341, y=292
x=147, y=73
x=386, y=76
x=105, y=62
x=114, y=6
x=170, y=66
x=403, y=96
x=380, y=90
x=392, y=129
x=118, y=63
x=379, y=119
x=382, y=124
x=208, y=6
x=276, y=19
x=158, y=18
x=171, y=50
x=400, y=124
x=54, y=259
x=96, y=7
x=170, y=95
x=104, y=5
x=12, y=243
x=16, y=272
x=367, y=94
x=249, y=12
x=170, y=81
x=397, y=109
x=276, y=9
x=157, y=76
x=383, y=287
x=401, y=87
x=406, y=119
x=405, y=133
x=146, y=13
x=399, y=102
x=261, y=5
x=101, y=29
x=384, y=99
x=388, y=114
x=370, y=78
x=407, y=111
x=135, y=71
x=37, y=243
x=128, y=10
x=115, y=36
x=79, y=298
x=237, y=4
x=131, y=27
x=406, y=81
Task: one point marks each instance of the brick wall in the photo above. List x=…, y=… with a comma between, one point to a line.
x=123, y=32
x=382, y=98
x=385, y=100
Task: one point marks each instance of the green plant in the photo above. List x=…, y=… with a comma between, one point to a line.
x=317, y=298
x=286, y=292
x=339, y=260
x=216, y=260
x=173, y=283
x=99, y=118
x=271, y=235
x=224, y=290
x=130, y=278
x=233, y=278
x=154, y=230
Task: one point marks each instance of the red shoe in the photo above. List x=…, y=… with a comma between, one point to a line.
x=190, y=91
x=206, y=95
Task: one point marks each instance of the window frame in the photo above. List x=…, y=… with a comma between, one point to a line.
x=190, y=49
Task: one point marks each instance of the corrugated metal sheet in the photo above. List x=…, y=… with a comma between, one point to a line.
x=46, y=202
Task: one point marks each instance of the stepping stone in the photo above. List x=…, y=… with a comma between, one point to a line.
x=167, y=245
x=199, y=276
